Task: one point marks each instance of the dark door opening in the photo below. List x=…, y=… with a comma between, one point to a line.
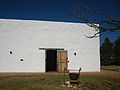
x=51, y=60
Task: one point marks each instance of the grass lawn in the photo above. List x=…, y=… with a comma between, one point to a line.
x=111, y=68
x=54, y=82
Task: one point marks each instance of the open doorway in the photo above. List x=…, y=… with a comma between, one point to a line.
x=56, y=59
x=51, y=60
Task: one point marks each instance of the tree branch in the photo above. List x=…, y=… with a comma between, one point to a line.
x=109, y=23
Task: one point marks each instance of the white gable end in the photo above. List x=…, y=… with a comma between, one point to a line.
x=22, y=43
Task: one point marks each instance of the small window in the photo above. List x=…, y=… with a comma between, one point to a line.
x=75, y=54
x=21, y=60
x=10, y=52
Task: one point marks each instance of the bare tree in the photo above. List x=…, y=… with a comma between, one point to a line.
x=80, y=10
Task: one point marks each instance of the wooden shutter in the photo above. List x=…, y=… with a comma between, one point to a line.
x=62, y=60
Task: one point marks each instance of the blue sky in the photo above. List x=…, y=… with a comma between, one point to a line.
x=55, y=10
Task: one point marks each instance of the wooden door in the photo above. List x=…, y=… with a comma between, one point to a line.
x=62, y=60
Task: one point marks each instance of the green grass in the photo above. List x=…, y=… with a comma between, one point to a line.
x=111, y=68
x=40, y=82
x=101, y=83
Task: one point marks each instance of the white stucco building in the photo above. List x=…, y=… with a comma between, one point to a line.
x=43, y=46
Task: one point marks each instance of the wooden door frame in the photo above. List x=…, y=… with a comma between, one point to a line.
x=46, y=54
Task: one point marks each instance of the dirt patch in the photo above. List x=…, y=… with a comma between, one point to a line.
x=106, y=73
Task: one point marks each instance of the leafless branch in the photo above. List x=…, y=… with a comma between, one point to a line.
x=79, y=9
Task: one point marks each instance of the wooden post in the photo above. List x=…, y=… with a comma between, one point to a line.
x=64, y=76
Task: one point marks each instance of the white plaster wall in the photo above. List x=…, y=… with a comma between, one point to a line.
x=25, y=37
